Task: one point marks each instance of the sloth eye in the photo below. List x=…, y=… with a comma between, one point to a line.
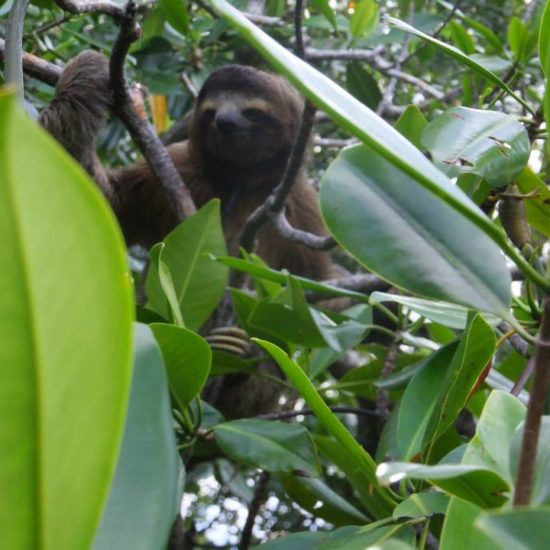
x=256, y=115
x=208, y=115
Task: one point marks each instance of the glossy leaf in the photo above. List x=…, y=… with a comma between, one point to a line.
x=144, y=497
x=186, y=256
x=360, y=121
x=421, y=505
x=492, y=145
x=474, y=352
x=520, y=528
x=270, y=445
x=187, y=358
x=421, y=244
x=478, y=485
x=420, y=399
x=66, y=323
x=411, y=123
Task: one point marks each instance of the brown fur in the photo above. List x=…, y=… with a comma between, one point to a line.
x=241, y=134
x=241, y=169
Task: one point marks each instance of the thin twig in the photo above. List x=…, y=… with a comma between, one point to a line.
x=382, y=396
x=177, y=195
x=52, y=24
x=260, y=494
x=364, y=282
x=535, y=410
x=516, y=341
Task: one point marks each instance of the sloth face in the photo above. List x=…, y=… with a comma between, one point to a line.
x=245, y=116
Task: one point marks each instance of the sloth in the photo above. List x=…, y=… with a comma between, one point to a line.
x=241, y=132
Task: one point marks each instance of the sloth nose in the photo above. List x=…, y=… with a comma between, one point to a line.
x=229, y=122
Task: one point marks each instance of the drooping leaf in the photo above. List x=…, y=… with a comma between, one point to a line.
x=420, y=243
x=66, y=323
x=186, y=256
x=365, y=18
x=492, y=145
x=270, y=445
x=361, y=84
x=147, y=487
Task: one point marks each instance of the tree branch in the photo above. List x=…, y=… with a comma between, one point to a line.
x=14, y=48
x=34, y=66
x=98, y=6
x=537, y=399
x=158, y=159
x=260, y=495
x=298, y=236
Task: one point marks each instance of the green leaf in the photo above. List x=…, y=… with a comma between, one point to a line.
x=462, y=39
x=264, y=272
x=518, y=35
x=321, y=501
x=491, y=444
x=144, y=497
x=411, y=123
x=323, y=6
x=66, y=323
x=476, y=484
x=187, y=357
x=421, y=505
x=460, y=528
x=537, y=206
x=270, y=445
x=443, y=256
x=176, y=14
x=166, y=282
x=380, y=501
x=365, y=19
x=460, y=56
x=474, y=352
x=448, y=315
x=540, y=493
x=186, y=257
x=522, y=528
x=420, y=399
x=492, y=145
x=361, y=84
x=361, y=122
x=544, y=42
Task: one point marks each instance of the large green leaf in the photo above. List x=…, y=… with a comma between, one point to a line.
x=144, y=498
x=492, y=145
x=364, y=19
x=544, y=54
x=537, y=205
x=66, y=324
x=521, y=529
x=199, y=282
x=420, y=505
x=360, y=121
x=269, y=445
x=187, y=357
x=408, y=236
